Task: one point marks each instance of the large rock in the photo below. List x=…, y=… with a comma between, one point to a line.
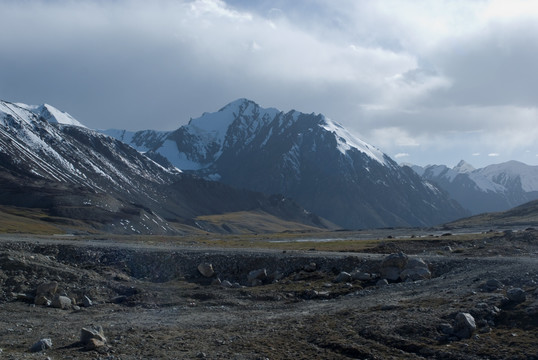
x=260, y=274
x=343, y=277
x=415, y=269
x=464, y=326
x=390, y=273
x=516, y=295
x=392, y=266
x=92, y=332
x=398, y=260
x=415, y=274
x=41, y=345
x=61, y=302
x=206, y=269
x=362, y=276
x=492, y=285
x=414, y=263
x=93, y=344
x=86, y=301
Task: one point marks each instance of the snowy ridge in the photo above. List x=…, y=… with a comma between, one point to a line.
x=346, y=141
x=51, y=114
x=496, y=187
x=307, y=157
x=464, y=167
x=511, y=171
x=98, y=181
x=238, y=117
x=241, y=121
x=142, y=141
x=49, y=155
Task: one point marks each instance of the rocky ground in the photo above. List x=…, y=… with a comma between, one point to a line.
x=413, y=299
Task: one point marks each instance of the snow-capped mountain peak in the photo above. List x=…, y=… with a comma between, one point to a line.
x=51, y=114
x=307, y=157
x=346, y=141
x=512, y=172
x=495, y=187
x=464, y=167
x=245, y=113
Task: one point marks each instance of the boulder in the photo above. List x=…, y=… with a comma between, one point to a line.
x=86, y=301
x=41, y=345
x=93, y=344
x=343, y=277
x=362, y=276
x=516, y=295
x=392, y=266
x=492, y=285
x=92, y=332
x=415, y=269
x=397, y=260
x=260, y=274
x=255, y=282
x=390, y=273
x=464, y=326
x=382, y=282
x=61, y=302
x=310, y=267
x=276, y=276
x=226, y=284
x=415, y=263
x=206, y=269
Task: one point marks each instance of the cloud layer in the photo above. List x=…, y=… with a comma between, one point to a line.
x=427, y=82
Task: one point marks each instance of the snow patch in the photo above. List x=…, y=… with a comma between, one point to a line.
x=179, y=159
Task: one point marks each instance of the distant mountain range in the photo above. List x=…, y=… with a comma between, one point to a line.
x=306, y=157
x=82, y=178
x=231, y=162
x=493, y=188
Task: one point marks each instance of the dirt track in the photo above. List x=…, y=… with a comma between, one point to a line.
x=153, y=303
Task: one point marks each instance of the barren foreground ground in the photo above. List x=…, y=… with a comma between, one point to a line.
x=152, y=302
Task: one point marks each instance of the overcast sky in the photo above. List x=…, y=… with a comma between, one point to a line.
x=427, y=82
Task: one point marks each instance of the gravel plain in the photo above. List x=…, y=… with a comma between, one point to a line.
x=152, y=302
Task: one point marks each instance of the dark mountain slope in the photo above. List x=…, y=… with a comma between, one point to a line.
x=77, y=173
x=523, y=215
x=306, y=157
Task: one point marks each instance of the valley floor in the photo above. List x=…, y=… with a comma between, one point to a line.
x=153, y=303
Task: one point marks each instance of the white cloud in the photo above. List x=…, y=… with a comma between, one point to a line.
x=401, y=155
x=446, y=78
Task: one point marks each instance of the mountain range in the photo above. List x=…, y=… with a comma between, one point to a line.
x=306, y=157
x=82, y=178
x=234, y=161
x=497, y=187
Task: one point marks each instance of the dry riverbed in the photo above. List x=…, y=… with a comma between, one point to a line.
x=153, y=302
